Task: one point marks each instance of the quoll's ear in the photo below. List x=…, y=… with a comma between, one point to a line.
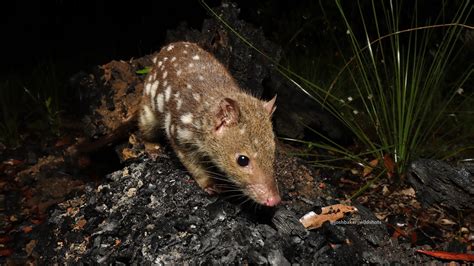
x=227, y=115
x=270, y=106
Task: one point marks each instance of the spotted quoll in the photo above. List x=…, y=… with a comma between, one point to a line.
x=207, y=118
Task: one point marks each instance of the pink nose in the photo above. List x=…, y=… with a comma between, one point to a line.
x=272, y=201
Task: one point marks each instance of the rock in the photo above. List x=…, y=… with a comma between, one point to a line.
x=437, y=182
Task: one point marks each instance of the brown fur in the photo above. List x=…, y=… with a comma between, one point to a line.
x=206, y=116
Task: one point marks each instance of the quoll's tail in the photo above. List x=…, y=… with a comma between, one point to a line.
x=121, y=132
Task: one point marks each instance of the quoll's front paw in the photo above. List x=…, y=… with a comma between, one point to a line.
x=212, y=190
x=207, y=184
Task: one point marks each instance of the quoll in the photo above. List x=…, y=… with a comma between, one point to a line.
x=208, y=118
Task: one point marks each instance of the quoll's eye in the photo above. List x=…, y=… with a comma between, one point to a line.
x=243, y=160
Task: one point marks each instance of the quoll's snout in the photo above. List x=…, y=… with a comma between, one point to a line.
x=266, y=194
x=272, y=201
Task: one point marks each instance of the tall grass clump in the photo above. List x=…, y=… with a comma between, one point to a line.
x=403, y=96
x=404, y=93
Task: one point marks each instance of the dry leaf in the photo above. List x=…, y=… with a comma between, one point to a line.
x=129, y=154
x=27, y=229
x=369, y=168
x=447, y=255
x=12, y=162
x=331, y=213
x=80, y=224
x=447, y=222
x=6, y=252
x=408, y=192
x=389, y=165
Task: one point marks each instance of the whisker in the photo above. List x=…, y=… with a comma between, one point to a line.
x=215, y=173
x=255, y=206
x=220, y=178
x=229, y=188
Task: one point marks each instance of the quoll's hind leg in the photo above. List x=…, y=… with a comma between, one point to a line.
x=197, y=171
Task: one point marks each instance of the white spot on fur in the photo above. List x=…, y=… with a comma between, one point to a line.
x=155, y=59
x=255, y=141
x=162, y=67
x=184, y=134
x=255, y=155
x=176, y=95
x=149, y=78
x=173, y=58
x=170, y=47
x=178, y=72
x=191, y=65
x=179, y=102
x=165, y=59
x=242, y=130
x=160, y=102
x=167, y=93
x=167, y=123
x=185, y=52
x=153, y=89
x=160, y=63
x=197, y=97
x=175, y=65
x=189, y=86
x=201, y=77
x=165, y=83
x=186, y=45
x=187, y=118
x=147, y=88
x=165, y=74
x=196, y=57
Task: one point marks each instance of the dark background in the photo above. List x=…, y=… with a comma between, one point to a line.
x=76, y=34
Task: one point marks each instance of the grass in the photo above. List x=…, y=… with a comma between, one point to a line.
x=30, y=101
x=401, y=99
x=401, y=88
